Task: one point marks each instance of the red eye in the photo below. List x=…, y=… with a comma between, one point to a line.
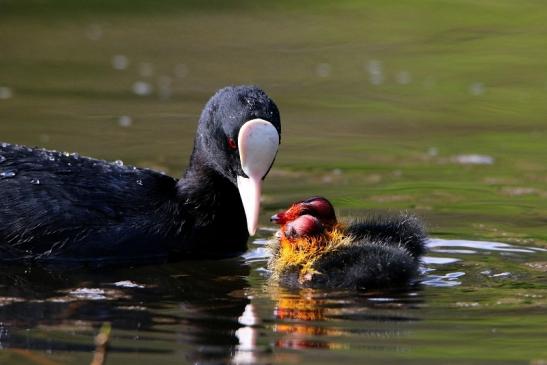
x=232, y=144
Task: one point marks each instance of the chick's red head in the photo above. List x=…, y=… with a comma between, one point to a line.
x=315, y=206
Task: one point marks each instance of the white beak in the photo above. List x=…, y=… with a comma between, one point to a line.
x=258, y=142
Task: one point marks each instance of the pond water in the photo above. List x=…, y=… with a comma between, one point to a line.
x=437, y=108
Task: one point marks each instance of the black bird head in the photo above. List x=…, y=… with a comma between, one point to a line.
x=238, y=136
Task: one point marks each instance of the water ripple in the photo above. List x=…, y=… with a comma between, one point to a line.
x=433, y=243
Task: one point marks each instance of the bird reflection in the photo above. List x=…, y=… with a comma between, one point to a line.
x=313, y=318
x=194, y=307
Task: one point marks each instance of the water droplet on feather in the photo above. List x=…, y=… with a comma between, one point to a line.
x=7, y=174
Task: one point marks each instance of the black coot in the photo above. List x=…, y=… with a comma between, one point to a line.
x=314, y=250
x=59, y=206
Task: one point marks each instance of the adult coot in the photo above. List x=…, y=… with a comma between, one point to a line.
x=313, y=250
x=59, y=206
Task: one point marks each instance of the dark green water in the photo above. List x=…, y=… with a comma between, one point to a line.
x=437, y=107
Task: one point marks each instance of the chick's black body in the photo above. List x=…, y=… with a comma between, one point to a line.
x=385, y=253
x=57, y=206
x=403, y=231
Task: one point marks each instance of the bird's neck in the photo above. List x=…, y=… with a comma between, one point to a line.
x=206, y=193
x=212, y=211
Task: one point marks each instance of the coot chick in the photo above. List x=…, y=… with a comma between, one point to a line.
x=59, y=206
x=314, y=250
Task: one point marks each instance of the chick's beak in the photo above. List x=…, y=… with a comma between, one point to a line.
x=258, y=141
x=275, y=219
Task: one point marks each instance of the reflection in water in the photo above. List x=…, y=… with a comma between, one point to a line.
x=318, y=319
x=197, y=308
x=201, y=312
x=300, y=322
x=246, y=336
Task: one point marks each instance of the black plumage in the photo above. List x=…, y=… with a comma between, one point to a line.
x=59, y=206
x=404, y=231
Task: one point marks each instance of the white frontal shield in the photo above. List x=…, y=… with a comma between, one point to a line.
x=258, y=142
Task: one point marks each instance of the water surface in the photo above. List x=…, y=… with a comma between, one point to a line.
x=432, y=107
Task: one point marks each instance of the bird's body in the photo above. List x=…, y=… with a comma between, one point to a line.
x=371, y=253
x=59, y=206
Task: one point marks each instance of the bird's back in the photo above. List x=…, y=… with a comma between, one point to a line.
x=59, y=204
x=402, y=230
